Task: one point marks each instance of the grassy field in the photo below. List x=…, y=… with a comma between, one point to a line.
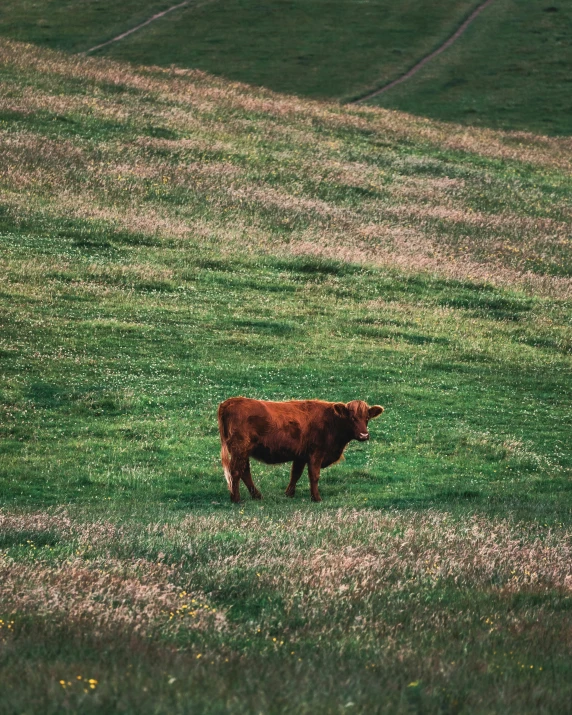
x=73, y=26
x=170, y=239
x=509, y=70
x=317, y=48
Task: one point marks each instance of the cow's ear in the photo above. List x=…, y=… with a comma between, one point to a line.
x=375, y=411
x=340, y=409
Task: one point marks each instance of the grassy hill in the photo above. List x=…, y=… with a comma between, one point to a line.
x=509, y=70
x=170, y=239
x=320, y=49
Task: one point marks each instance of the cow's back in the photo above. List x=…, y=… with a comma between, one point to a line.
x=273, y=432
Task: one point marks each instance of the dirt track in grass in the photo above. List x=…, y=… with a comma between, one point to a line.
x=137, y=27
x=453, y=38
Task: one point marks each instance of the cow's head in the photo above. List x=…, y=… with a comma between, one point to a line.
x=357, y=414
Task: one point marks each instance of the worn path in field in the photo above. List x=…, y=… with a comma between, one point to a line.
x=138, y=27
x=459, y=31
x=455, y=36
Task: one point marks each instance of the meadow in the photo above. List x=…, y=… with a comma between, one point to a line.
x=319, y=49
x=169, y=239
x=509, y=70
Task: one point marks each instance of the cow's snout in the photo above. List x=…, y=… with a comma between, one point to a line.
x=363, y=436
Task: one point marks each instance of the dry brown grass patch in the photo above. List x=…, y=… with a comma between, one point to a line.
x=125, y=596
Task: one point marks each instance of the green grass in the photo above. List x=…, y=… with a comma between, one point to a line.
x=169, y=240
x=509, y=70
x=140, y=374
x=73, y=26
x=314, y=48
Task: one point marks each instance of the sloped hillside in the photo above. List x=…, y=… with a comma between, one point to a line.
x=308, y=47
x=180, y=154
x=510, y=69
x=168, y=240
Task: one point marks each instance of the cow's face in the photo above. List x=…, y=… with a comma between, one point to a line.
x=357, y=414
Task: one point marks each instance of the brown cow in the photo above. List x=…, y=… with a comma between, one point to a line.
x=303, y=432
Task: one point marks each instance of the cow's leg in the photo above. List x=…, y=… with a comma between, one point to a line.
x=295, y=474
x=238, y=462
x=247, y=479
x=314, y=473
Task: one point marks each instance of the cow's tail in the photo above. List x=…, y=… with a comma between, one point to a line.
x=224, y=453
x=225, y=459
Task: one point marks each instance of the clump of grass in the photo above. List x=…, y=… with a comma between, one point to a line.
x=374, y=595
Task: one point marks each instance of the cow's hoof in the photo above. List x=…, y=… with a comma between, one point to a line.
x=316, y=499
x=256, y=495
x=290, y=493
x=235, y=501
